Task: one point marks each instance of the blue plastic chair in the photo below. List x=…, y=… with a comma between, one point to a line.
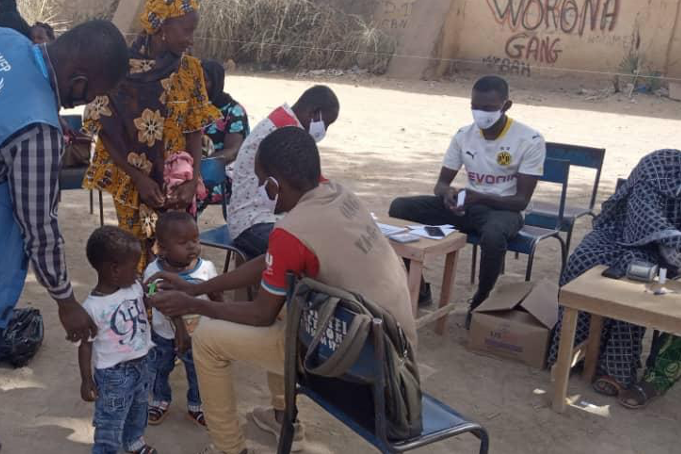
x=72, y=178
x=545, y=214
x=358, y=398
x=213, y=173
x=555, y=171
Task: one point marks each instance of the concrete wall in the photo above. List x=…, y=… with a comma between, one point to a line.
x=79, y=10
x=524, y=36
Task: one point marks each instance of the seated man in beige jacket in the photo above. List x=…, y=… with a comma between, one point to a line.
x=327, y=235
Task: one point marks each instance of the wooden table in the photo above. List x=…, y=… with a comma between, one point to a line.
x=417, y=253
x=625, y=300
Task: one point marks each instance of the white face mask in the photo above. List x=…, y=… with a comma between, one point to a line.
x=264, y=198
x=317, y=129
x=485, y=120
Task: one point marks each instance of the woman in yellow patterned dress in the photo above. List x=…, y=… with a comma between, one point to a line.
x=159, y=110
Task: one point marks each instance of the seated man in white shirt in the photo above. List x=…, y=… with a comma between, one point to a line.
x=250, y=214
x=504, y=160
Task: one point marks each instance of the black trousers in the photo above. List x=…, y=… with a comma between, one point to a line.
x=495, y=228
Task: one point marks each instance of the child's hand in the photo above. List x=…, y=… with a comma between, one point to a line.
x=88, y=391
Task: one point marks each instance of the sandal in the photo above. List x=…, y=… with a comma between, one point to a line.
x=637, y=396
x=146, y=449
x=197, y=417
x=607, y=386
x=157, y=414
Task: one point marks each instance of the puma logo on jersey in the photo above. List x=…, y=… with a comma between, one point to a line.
x=471, y=154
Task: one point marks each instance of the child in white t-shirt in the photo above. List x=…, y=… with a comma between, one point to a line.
x=177, y=236
x=120, y=383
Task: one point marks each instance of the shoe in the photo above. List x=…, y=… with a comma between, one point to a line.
x=469, y=319
x=265, y=420
x=473, y=303
x=425, y=295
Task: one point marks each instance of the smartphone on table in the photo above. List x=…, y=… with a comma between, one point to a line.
x=435, y=231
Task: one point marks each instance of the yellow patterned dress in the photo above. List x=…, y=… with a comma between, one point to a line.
x=148, y=118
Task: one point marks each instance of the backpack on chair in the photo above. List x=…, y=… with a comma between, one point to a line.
x=403, y=389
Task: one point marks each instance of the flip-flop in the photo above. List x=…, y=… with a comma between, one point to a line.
x=638, y=394
x=607, y=386
x=157, y=415
x=197, y=417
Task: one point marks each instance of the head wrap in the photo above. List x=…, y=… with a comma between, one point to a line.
x=156, y=12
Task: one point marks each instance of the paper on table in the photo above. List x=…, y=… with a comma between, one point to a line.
x=388, y=230
x=420, y=230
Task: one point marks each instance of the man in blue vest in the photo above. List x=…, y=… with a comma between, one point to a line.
x=35, y=81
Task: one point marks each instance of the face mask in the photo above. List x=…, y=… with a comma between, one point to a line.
x=485, y=120
x=318, y=129
x=264, y=198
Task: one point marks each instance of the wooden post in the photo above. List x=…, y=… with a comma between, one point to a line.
x=448, y=278
x=415, y=270
x=562, y=370
x=593, y=348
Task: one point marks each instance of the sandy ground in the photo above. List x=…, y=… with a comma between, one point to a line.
x=389, y=141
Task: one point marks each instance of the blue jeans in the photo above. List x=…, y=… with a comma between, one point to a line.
x=254, y=240
x=162, y=364
x=121, y=406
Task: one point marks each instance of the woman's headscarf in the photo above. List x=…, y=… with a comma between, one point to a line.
x=214, y=73
x=646, y=208
x=158, y=11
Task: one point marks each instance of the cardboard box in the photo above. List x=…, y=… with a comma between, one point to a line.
x=515, y=322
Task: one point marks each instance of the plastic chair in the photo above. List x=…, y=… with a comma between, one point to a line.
x=358, y=398
x=555, y=171
x=72, y=178
x=545, y=214
x=213, y=173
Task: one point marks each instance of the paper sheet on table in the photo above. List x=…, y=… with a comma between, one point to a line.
x=420, y=230
x=388, y=230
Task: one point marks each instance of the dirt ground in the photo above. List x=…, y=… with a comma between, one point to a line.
x=389, y=141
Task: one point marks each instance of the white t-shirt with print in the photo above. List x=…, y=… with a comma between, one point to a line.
x=492, y=166
x=123, y=331
x=203, y=271
x=244, y=210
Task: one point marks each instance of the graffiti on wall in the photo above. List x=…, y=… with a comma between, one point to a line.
x=566, y=16
x=508, y=66
x=538, y=25
x=396, y=14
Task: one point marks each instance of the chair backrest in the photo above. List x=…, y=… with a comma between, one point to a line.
x=364, y=369
x=580, y=156
x=556, y=171
x=213, y=171
x=75, y=122
x=367, y=370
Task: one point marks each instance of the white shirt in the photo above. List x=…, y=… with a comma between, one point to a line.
x=123, y=331
x=203, y=271
x=243, y=210
x=493, y=166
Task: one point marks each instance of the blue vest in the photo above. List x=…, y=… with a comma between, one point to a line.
x=26, y=97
